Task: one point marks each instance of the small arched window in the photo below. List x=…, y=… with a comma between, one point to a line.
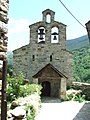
x=54, y=35
x=48, y=18
x=41, y=35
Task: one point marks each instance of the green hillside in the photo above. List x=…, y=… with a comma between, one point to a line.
x=82, y=64
x=78, y=43
x=80, y=48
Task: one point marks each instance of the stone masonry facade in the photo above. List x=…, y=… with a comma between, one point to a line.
x=30, y=58
x=4, y=7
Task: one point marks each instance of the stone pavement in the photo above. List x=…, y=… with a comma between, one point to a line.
x=69, y=110
x=50, y=100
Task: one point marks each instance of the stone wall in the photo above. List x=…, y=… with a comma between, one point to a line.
x=84, y=87
x=4, y=7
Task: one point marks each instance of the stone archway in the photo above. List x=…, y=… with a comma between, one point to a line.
x=46, y=88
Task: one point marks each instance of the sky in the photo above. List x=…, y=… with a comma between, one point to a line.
x=23, y=13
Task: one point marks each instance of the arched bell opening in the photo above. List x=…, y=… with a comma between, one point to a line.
x=54, y=35
x=41, y=35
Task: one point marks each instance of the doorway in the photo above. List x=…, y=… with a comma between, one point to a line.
x=46, y=88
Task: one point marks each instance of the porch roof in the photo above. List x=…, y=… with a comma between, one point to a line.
x=55, y=69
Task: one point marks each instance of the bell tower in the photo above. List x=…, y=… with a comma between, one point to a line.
x=48, y=31
x=46, y=13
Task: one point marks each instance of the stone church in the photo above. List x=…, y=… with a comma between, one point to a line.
x=46, y=60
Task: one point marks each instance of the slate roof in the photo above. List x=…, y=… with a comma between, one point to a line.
x=55, y=69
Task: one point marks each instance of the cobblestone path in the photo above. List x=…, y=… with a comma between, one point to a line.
x=50, y=100
x=69, y=110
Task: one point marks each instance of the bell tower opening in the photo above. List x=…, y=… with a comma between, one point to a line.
x=54, y=35
x=48, y=18
x=48, y=15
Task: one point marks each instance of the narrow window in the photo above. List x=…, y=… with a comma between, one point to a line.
x=33, y=57
x=50, y=58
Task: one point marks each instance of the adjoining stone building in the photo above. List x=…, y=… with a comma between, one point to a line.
x=4, y=8
x=46, y=60
x=88, y=29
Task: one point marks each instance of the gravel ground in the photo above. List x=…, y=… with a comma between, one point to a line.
x=69, y=110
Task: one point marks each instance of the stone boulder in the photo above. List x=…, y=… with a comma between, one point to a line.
x=18, y=113
x=26, y=81
x=84, y=87
x=72, y=91
x=14, y=104
x=22, y=107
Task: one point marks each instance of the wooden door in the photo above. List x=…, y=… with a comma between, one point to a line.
x=46, y=88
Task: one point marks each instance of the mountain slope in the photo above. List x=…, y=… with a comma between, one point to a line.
x=80, y=48
x=78, y=43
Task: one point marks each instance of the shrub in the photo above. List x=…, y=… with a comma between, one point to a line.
x=28, y=95
x=31, y=115
x=13, y=86
x=16, y=88
x=80, y=98
x=29, y=89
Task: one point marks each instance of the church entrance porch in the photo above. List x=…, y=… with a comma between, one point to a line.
x=53, y=82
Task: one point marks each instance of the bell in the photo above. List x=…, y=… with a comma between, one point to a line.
x=41, y=37
x=41, y=34
x=54, y=38
x=41, y=31
x=54, y=35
